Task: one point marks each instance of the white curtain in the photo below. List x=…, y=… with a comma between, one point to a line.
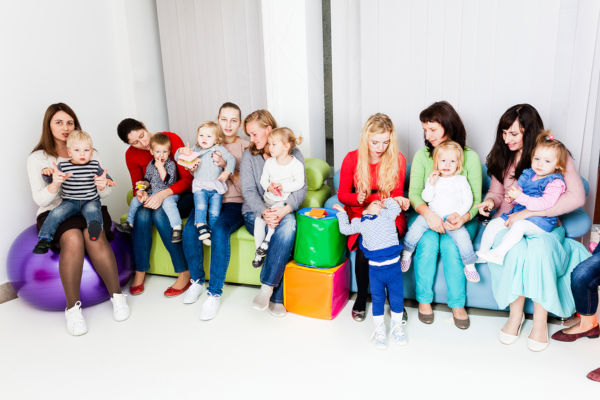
x=398, y=57
x=212, y=52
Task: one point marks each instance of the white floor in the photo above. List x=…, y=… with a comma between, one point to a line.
x=165, y=351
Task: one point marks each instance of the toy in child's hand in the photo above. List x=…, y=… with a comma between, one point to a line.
x=190, y=160
x=275, y=188
x=141, y=185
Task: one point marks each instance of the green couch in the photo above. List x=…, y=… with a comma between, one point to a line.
x=240, y=268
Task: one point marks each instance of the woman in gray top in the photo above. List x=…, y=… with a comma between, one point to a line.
x=257, y=126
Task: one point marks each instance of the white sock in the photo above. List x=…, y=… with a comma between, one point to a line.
x=178, y=227
x=397, y=317
x=406, y=255
x=470, y=267
x=378, y=320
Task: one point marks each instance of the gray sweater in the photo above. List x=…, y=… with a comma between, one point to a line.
x=251, y=170
x=207, y=170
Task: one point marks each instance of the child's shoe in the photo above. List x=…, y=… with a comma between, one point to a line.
x=491, y=256
x=120, y=307
x=210, y=307
x=176, y=236
x=75, y=323
x=261, y=254
x=379, y=337
x=261, y=300
x=405, y=262
x=203, y=232
x=94, y=230
x=193, y=292
x=125, y=228
x=397, y=333
x=42, y=246
x=277, y=309
x=471, y=273
x=207, y=241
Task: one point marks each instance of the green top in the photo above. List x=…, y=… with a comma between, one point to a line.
x=422, y=166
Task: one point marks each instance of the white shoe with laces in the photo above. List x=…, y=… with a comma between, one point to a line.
x=210, y=307
x=120, y=307
x=193, y=292
x=75, y=323
x=379, y=337
x=397, y=333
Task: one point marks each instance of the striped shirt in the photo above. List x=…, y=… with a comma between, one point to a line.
x=81, y=185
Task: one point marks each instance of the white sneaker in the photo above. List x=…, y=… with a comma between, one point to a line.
x=75, y=323
x=210, y=307
x=261, y=300
x=120, y=307
x=379, y=337
x=277, y=309
x=397, y=333
x=193, y=292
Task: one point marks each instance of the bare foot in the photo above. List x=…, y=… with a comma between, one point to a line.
x=425, y=308
x=182, y=280
x=512, y=324
x=460, y=313
x=138, y=279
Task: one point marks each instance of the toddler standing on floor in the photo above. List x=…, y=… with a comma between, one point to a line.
x=161, y=173
x=282, y=175
x=78, y=192
x=446, y=192
x=539, y=188
x=379, y=242
x=209, y=183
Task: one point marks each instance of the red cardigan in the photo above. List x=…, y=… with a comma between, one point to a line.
x=137, y=160
x=348, y=196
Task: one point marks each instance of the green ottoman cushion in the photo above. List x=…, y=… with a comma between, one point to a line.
x=317, y=171
x=316, y=198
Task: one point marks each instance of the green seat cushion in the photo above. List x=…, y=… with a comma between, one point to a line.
x=317, y=171
x=316, y=198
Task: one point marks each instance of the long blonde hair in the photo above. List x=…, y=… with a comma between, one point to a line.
x=387, y=173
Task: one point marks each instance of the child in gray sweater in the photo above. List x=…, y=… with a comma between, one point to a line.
x=209, y=183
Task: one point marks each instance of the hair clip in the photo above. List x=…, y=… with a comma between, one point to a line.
x=550, y=137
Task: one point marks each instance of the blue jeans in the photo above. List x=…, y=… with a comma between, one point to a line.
x=390, y=277
x=460, y=237
x=207, y=201
x=278, y=254
x=169, y=206
x=90, y=209
x=426, y=260
x=142, y=235
x=585, y=280
x=230, y=220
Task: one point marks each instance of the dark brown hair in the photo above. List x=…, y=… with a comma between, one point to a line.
x=229, y=104
x=128, y=125
x=444, y=114
x=46, y=142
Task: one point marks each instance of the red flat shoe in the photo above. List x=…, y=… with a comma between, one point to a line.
x=135, y=290
x=571, y=337
x=172, y=292
x=594, y=375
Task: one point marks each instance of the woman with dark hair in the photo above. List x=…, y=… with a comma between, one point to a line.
x=71, y=236
x=230, y=220
x=440, y=123
x=257, y=126
x=539, y=266
x=137, y=157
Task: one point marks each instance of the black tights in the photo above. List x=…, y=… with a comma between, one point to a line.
x=73, y=244
x=361, y=269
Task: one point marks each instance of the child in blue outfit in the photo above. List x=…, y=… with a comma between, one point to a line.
x=380, y=244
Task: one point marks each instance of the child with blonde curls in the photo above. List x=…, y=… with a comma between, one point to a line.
x=538, y=189
x=282, y=175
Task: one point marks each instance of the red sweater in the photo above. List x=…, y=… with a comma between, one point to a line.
x=137, y=160
x=348, y=196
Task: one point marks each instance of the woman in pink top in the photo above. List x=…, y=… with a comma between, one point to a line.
x=539, y=266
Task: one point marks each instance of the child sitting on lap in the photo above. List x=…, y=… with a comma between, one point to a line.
x=539, y=188
x=380, y=244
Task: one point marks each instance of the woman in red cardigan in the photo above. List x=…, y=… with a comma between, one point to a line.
x=374, y=171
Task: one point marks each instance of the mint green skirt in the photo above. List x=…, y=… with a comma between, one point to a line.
x=539, y=268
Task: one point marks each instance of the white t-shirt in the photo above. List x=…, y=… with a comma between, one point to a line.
x=290, y=176
x=449, y=195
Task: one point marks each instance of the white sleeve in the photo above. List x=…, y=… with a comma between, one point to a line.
x=39, y=189
x=466, y=195
x=297, y=181
x=428, y=193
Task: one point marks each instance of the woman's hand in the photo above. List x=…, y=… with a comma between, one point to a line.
x=513, y=193
x=403, y=202
x=142, y=196
x=514, y=217
x=155, y=201
x=434, y=222
x=218, y=159
x=485, y=207
x=361, y=197
x=455, y=221
x=223, y=176
x=276, y=214
x=100, y=181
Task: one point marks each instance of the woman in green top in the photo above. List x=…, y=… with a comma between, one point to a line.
x=441, y=122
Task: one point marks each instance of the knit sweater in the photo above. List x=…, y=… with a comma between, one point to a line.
x=234, y=183
x=290, y=176
x=422, y=166
x=348, y=195
x=206, y=174
x=251, y=170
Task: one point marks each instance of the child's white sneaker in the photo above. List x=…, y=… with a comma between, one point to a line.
x=193, y=292
x=210, y=307
x=261, y=300
x=75, y=323
x=397, y=333
x=120, y=307
x=379, y=337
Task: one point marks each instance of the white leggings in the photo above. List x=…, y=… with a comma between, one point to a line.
x=260, y=226
x=512, y=237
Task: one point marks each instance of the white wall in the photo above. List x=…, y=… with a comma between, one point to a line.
x=100, y=57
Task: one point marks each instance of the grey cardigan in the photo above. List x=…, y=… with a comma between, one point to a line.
x=251, y=170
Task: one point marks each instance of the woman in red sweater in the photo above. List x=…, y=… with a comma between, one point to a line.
x=374, y=171
x=137, y=157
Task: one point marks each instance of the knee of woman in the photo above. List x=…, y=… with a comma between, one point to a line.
x=143, y=216
x=71, y=239
x=579, y=277
x=287, y=227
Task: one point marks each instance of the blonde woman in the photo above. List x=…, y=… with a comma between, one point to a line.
x=375, y=171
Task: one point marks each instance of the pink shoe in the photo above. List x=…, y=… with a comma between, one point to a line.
x=472, y=275
x=405, y=264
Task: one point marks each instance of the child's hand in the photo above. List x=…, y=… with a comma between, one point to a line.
x=58, y=177
x=361, y=197
x=223, y=176
x=110, y=182
x=47, y=171
x=514, y=192
x=433, y=177
x=275, y=188
x=100, y=181
x=403, y=202
x=142, y=195
x=338, y=207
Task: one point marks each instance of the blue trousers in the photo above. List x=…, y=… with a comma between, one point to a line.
x=585, y=280
x=390, y=277
x=90, y=209
x=169, y=206
x=207, y=201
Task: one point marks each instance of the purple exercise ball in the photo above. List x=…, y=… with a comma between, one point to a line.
x=36, y=279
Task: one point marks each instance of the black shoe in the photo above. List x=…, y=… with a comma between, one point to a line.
x=42, y=246
x=259, y=259
x=359, y=313
x=203, y=232
x=176, y=236
x=125, y=228
x=94, y=230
